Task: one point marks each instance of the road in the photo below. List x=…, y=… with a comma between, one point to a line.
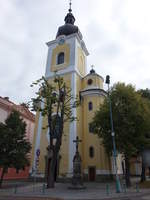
x=143, y=197
x=26, y=198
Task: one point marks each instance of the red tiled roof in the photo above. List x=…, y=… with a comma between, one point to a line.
x=9, y=105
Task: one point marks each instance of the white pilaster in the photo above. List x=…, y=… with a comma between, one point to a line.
x=38, y=136
x=73, y=128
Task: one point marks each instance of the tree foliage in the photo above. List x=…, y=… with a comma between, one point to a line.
x=131, y=118
x=14, y=147
x=55, y=101
x=145, y=93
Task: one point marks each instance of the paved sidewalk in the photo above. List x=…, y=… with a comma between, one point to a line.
x=61, y=191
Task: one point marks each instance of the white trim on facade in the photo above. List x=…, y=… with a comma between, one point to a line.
x=38, y=136
x=74, y=43
x=68, y=70
x=93, y=91
x=68, y=37
x=73, y=128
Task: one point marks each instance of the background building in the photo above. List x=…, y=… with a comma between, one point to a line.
x=6, y=107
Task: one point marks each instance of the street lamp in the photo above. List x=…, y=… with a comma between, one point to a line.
x=118, y=187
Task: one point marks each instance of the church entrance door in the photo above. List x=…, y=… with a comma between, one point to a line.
x=92, y=173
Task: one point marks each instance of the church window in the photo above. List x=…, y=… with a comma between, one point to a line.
x=60, y=58
x=90, y=81
x=91, y=128
x=91, y=152
x=90, y=105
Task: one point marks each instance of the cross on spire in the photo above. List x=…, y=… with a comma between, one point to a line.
x=70, y=4
x=77, y=141
x=92, y=66
x=92, y=71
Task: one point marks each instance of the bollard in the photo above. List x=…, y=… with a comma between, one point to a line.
x=124, y=188
x=107, y=189
x=15, y=190
x=34, y=187
x=137, y=187
x=43, y=188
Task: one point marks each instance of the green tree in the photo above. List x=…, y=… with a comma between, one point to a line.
x=14, y=147
x=145, y=93
x=131, y=118
x=55, y=101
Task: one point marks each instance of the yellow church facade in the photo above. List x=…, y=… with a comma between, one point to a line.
x=67, y=55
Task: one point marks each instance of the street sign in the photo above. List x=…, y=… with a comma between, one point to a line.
x=38, y=152
x=37, y=161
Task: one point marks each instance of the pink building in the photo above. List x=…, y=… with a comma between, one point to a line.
x=6, y=107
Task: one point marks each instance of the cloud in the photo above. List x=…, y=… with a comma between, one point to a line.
x=116, y=32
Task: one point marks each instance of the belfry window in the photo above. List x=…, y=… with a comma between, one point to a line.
x=91, y=152
x=60, y=58
x=90, y=105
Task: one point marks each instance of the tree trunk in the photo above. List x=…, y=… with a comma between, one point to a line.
x=143, y=177
x=50, y=178
x=51, y=175
x=55, y=148
x=2, y=176
x=127, y=172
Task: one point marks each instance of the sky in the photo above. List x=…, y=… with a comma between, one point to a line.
x=116, y=33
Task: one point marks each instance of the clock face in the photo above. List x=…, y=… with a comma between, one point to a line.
x=61, y=41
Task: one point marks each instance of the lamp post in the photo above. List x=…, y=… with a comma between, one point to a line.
x=118, y=187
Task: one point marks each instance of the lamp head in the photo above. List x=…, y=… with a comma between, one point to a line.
x=107, y=79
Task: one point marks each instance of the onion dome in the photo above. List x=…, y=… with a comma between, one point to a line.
x=69, y=27
x=92, y=71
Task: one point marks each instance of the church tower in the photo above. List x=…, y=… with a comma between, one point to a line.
x=67, y=55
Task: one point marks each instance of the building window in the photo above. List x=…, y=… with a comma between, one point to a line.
x=60, y=58
x=90, y=81
x=91, y=128
x=91, y=152
x=90, y=106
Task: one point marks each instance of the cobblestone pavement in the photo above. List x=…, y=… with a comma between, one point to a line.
x=145, y=197
x=26, y=198
x=93, y=191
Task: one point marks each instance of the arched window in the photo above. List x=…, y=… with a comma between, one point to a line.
x=90, y=105
x=60, y=58
x=91, y=152
x=90, y=81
